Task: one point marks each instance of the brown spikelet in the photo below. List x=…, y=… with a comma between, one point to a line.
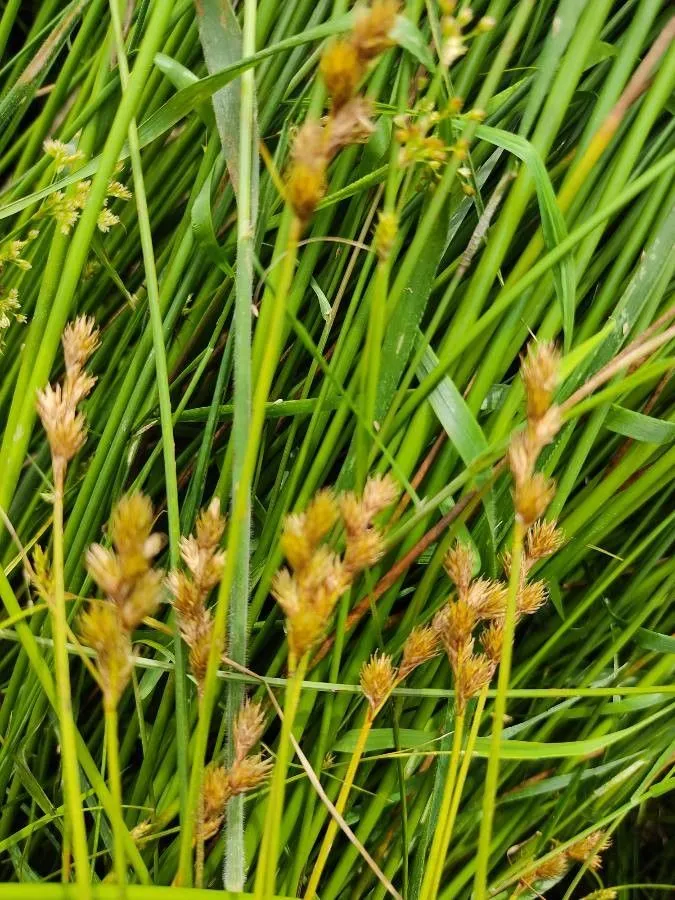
x=100, y=630
x=364, y=549
x=65, y=427
x=378, y=677
x=248, y=728
x=532, y=497
x=351, y=124
x=589, y=849
x=543, y=539
x=371, y=35
x=131, y=523
x=553, y=868
x=488, y=598
x=539, y=370
x=248, y=773
x=455, y=623
x=210, y=526
x=320, y=516
x=80, y=339
x=341, y=69
x=379, y=492
x=531, y=598
x=492, y=639
x=420, y=646
x=216, y=792
x=458, y=563
x=473, y=672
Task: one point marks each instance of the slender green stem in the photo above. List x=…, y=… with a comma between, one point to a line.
x=439, y=848
x=165, y=415
x=269, y=846
x=463, y=771
x=71, y=773
x=492, y=774
x=270, y=356
x=235, y=861
x=115, y=783
x=340, y=804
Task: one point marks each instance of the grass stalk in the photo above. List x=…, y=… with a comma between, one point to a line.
x=235, y=861
x=115, y=783
x=439, y=847
x=269, y=847
x=340, y=805
x=70, y=770
x=162, y=380
x=499, y=711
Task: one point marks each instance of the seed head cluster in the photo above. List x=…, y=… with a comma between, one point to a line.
x=534, y=490
x=190, y=588
x=317, y=576
x=132, y=589
x=247, y=772
x=379, y=676
x=587, y=851
x=343, y=64
x=57, y=405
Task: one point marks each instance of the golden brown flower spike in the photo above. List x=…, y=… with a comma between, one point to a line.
x=342, y=66
x=57, y=404
x=318, y=576
x=132, y=588
x=247, y=772
x=190, y=589
x=378, y=677
x=533, y=490
x=589, y=850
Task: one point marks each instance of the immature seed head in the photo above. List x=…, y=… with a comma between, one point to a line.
x=378, y=677
x=589, y=849
x=248, y=773
x=371, y=35
x=80, y=339
x=492, y=639
x=341, y=69
x=533, y=497
x=531, y=597
x=65, y=427
x=420, y=646
x=543, y=539
x=320, y=516
x=458, y=563
x=539, y=370
x=99, y=629
x=216, y=792
x=248, y=728
x=553, y=868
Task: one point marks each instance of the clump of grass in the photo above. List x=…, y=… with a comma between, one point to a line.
x=420, y=252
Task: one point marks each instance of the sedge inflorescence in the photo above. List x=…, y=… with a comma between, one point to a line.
x=247, y=771
x=343, y=65
x=587, y=851
x=318, y=575
x=132, y=587
x=533, y=490
x=57, y=405
x=190, y=588
x=379, y=676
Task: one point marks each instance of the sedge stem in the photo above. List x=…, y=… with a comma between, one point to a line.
x=492, y=774
x=340, y=804
x=115, y=785
x=269, y=847
x=434, y=869
x=70, y=770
